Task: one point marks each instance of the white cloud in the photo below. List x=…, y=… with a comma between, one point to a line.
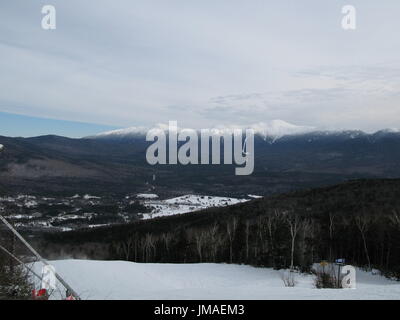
x=202, y=62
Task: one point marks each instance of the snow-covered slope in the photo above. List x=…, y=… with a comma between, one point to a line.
x=205, y=201
x=128, y=280
x=276, y=129
x=147, y=196
x=122, y=133
x=185, y=204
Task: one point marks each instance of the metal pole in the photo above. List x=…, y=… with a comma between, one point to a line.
x=338, y=276
x=20, y=262
x=62, y=281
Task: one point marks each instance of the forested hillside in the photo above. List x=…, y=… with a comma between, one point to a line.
x=358, y=220
x=108, y=166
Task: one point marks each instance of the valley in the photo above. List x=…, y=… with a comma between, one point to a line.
x=32, y=213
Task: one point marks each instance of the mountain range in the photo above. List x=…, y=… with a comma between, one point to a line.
x=287, y=157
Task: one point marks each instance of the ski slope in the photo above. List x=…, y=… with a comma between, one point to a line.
x=185, y=204
x=127, y=280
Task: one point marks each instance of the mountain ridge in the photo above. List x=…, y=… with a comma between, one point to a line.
x=72, y=165
x=271, y=130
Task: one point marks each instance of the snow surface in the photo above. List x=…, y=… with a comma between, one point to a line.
x=270, y=129
x=147, y=196
x=127, y=280
x=185, y=204
x=208, y=201
x=254, y=196
x=88, y=197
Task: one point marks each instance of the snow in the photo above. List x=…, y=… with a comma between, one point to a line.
x=271, y=130
x=91, y=226
x=131, y=131
x=88, y=197
x=67, y=217
x=147, y=196
x=19, y=217
x=254, y=196
x=391, y=130
x=128, y=280
x=208, y=201
x=185, y=204
x=274, y=129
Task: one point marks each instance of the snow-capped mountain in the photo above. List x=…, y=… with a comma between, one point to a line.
x=270, y=131
x=122, y=133
x=116, y=160
x=273, y=130
x=279, y=128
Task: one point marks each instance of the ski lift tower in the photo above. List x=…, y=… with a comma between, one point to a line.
x=35, y=253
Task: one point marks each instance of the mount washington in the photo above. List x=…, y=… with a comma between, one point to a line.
x=287, y=157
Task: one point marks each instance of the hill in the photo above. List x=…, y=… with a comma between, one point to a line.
x=117, y=164
x=126, y=280
x=357, y=220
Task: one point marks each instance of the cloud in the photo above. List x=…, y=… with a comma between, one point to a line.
x=202, y=63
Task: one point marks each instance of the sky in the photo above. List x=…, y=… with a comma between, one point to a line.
x=114, y=64
x=15, y=125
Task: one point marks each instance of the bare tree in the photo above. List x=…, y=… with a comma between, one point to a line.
x=294, y=223
x=166, y=237
x=307, y=232
x=231, y=230
x=199, y=238
x=395, y=219
x=215, y=241
x=311, y=235
x=363, y=223
x=142, y=244
x=260, y=233
x=272, y=221
x=149, y=246
x=126, y=247
x=288, y=279
x=247, y=232
x=331, y=230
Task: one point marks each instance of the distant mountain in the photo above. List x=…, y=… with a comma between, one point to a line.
x=271, y=130
x=286, y=157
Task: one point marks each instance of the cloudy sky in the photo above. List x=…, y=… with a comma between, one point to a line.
x=201, y=62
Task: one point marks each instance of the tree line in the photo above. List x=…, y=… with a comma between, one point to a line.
x=358, y=221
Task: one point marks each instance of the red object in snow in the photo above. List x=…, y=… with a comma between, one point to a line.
x=40, y=294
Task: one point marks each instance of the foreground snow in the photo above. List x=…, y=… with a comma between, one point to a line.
x=128, y=280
